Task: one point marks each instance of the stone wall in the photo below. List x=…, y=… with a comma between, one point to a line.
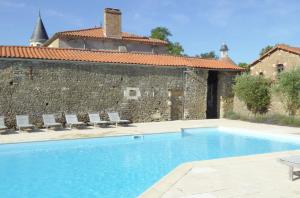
x=225, y=92
x=109, y=44
x=268, y=68
x=276, y=107
x=139, y=93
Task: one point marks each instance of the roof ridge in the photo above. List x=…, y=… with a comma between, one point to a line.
x=116, y=57
x=79, y=30
x=295, y=50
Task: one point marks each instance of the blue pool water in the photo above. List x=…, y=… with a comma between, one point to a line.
x=117, y=166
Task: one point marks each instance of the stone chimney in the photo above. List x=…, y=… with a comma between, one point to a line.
x=112, y=23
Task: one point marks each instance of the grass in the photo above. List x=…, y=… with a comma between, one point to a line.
x=275, y=119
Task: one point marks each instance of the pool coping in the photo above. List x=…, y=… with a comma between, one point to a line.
x=161, y=187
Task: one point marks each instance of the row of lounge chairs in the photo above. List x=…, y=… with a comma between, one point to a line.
x=22, y=121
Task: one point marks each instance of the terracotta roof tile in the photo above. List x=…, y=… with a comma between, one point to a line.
x=45, y=53
x=294, y=50
x=97, y=33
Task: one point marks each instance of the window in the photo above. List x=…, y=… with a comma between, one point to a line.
x=132, y=93
x=280, y=68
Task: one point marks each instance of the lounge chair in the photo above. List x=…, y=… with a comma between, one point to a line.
x=115, y=119
x=23, y=122
x=49, y=121
x=293, y=162
x=72, y=120
x=96, y=120
x=2, y=124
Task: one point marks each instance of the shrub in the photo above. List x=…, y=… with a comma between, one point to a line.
x=288, y=87
x=254, y=91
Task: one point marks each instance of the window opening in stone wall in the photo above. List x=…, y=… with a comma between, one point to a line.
x=280, y=68
x=132, y=93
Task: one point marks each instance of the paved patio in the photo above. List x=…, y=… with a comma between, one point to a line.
x=252, y=176
x=141, y=128
x=259, y=176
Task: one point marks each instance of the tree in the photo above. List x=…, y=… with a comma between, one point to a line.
x=163, y=33
x=245, y=66
x=208, y=55
x=254, y=91
x=288, y=87
x=265, y=50
x=175, y=48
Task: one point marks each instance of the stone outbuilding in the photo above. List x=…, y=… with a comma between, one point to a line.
x=142, y=87
x=280, y=58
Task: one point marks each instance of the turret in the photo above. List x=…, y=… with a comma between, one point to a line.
x=39, y=35
x=224, y=51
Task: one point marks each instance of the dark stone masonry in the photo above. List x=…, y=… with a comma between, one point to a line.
x=139, y=93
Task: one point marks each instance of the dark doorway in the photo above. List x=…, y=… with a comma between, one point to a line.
x=176, y=104
x=212, y=95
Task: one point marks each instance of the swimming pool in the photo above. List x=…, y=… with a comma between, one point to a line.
x=118, y=166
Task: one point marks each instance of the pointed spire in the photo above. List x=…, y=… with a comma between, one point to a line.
x=39, y=35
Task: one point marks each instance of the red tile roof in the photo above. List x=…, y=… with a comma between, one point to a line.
x=97, y=33
x=287, y=48
x=46, y=53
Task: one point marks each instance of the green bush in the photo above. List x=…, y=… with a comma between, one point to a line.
x=288, y=87
x=255, y=91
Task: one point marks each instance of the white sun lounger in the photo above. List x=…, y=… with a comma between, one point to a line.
x=96, y=120
x=72, y=120
x=23, y=122
x=2, y=124
x=115, y=119
x=49, y=121
x=293, y=162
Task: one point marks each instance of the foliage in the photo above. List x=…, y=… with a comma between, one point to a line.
x=288, y=87
x=267, y=119
x=163, y=33
x=175, y=48
x=208, y=55
x=254, y=91
x=265, y=50
x=245, y=66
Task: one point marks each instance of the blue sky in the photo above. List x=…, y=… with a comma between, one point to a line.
x=200, y=26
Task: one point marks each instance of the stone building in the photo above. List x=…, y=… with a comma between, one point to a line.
x=278, y=59
x=141, y=86
x=108, y=37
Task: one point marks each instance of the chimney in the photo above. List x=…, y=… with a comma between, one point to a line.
x=112, y=23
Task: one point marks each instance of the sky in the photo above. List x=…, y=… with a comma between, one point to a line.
x=246, y=26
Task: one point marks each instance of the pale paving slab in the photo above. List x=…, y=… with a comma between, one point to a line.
x=142, y=128
x=240, y=177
